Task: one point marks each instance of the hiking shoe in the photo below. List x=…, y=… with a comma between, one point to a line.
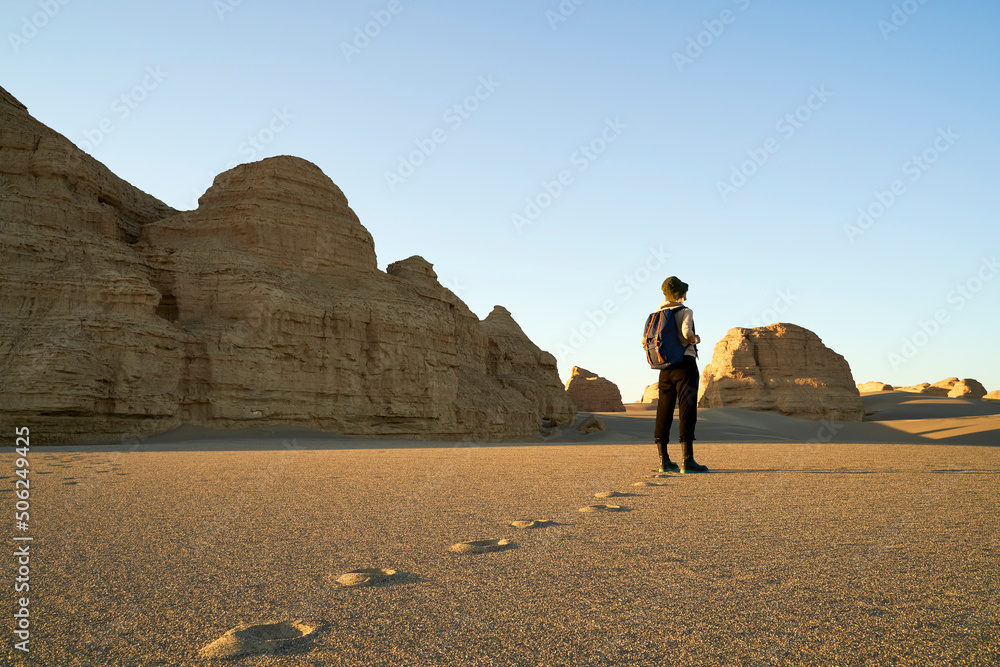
x=669, y=466
x=692, y=466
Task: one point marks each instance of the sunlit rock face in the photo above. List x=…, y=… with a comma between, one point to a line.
x=122, y=317
x=781, y=368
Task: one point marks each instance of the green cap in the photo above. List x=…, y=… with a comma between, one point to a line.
x=674, y=288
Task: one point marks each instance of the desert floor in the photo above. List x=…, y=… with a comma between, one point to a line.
x=802, y=546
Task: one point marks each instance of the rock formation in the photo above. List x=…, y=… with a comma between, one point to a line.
x=869, y=387
x=122, y=317
x=651, y=394
x=591, y=425
x=924, y=388
x=519, y=364
x=783, y=368
x=949, y=387
x=592, y=393
x=992, y=396
x=967, y=388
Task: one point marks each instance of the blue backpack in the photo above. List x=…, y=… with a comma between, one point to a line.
x=661, y=339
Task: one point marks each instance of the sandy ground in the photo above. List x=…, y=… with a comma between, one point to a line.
x=811, y=552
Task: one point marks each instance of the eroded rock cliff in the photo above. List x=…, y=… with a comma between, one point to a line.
x=783, y=368
x=122, y=317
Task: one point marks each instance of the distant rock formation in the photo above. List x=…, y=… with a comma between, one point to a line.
x=967, y=388
x=992, y=396
x=869, y=387
x=651, y=394
x=592, y=393
x=924, y=388
x=950, y=387
x=783, y=368
x=121, y=317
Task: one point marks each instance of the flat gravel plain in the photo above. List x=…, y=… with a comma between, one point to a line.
x=784, y=554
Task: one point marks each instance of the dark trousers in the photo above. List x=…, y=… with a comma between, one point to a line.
x=677, y=384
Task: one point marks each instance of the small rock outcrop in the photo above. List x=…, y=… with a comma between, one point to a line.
x=651, y=394
x=992, y=396
x=590, y=425
x=924, y=388
x=868, y=387
x=592, y=393
x=967, y=388
x=949, y=387
x=782, y=368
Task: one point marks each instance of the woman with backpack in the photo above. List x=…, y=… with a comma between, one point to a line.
x=678, y=375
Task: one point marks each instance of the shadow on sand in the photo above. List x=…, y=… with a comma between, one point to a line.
x=890, y=418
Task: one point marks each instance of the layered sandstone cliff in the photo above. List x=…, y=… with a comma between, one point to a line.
x=519, y=364
x=122, y=317
x=783, y=368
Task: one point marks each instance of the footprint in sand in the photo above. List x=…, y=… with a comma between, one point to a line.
x=258, y=639
x=481, y=546
x=604, y=508
x=366, y=577
x=611, y=494
x=650, y=484
x=534, y=523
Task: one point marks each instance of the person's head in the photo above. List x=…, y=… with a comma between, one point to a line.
x=674, y=289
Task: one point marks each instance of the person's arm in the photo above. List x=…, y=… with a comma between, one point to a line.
x=687, y=327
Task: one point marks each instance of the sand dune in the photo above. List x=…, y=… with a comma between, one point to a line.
x=890, y=417
x=948, y=421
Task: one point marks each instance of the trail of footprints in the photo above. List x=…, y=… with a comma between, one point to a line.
x=290, y=634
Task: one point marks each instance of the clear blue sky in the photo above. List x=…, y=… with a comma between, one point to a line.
x=829, y=103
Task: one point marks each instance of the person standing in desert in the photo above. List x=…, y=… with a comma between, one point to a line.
x=679, y=384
